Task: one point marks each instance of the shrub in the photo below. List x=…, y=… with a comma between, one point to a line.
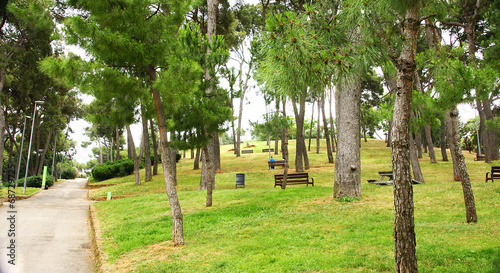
x=69, y=173
x=113, y=169
x=36, y=181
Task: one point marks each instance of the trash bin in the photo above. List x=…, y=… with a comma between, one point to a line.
x=240, y=180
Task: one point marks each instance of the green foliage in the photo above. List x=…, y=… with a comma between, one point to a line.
x=69, y=173
x=112, y=169
x=36, y=181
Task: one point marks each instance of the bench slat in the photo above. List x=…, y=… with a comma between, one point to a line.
x=293, y=179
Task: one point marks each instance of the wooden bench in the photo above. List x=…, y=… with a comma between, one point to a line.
x=390, y=177
x=267, y=150
x=480, y=158
x=247, y=151
x=293, y=179
x=495, y=173
x=275, y=163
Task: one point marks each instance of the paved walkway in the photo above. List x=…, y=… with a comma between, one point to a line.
x=51, y=231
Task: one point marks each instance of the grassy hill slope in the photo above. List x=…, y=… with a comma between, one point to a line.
x=300, y=229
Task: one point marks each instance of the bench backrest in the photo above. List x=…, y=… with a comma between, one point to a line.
x=292, y=176
x=495, y=169
x=277, y=162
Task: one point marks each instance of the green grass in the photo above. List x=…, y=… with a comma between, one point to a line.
x=19, y=191
x=300, y=229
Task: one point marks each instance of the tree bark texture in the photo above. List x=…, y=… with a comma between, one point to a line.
x=327, y=133
x=131, y=147
x=418, y=142
x=494, y=153
x=284, y=137
x=470, y=204
x=348, y=163
x=451, y=143
x=44, y=152
x=428, y=137
x=415, y=164
x=484, y=139
x=175, y=206
x=117, y=143
x=301, y=158
x=147, y=150
x=155, y=148
x=332, y=127
x=311, y=128
x=2, y=119
x=404, y=226
x=318, y=128
x=196, y=163
x=444, y=155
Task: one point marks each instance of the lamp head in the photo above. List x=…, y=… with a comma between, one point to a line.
x=39, y=102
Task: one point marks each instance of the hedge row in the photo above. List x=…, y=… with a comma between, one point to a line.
x=112, y=169
x=36, y=181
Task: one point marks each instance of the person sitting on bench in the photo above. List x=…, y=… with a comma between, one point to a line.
x=272, y=164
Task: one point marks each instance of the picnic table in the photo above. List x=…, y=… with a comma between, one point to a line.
x=389, y=176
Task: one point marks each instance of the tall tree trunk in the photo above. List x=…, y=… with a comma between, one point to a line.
x=428, y=137
x=175, y=206
x=244, y=87
x=36, y=141
x=301, y=151
x=45, y=149
x=147, y=150
x=470, y=204
x=415, y=164
x=363, y=125
x=284, y=137
x=101, y=159
x=2, y=119
x=155, y=147
x=277, y=137
x=204, y=173
x=348, y=163
x=327, y=133
x=332, y=127
x=404, y=226
x=216, y=145
x=318, y=132
x=211, y=159
x=451, y=143
x=311, y=128
x=196, y=164
x=492, y=135
x=418, y=142
x=484, y=139
x=117, y=143
x=211, y=174
x=284, y=148
x=444, y=155
x=131, y=147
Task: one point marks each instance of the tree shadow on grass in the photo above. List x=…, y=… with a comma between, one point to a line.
x=494, y=253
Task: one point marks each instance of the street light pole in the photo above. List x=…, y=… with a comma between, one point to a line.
x=21, y=152
x=29, y=147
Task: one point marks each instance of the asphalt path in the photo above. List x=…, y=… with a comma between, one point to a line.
x=50, y=232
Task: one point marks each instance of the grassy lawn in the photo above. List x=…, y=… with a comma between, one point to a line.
x=19, y=191
x=300, y=229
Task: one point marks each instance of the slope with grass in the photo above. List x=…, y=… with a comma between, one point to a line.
x=300, y=229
